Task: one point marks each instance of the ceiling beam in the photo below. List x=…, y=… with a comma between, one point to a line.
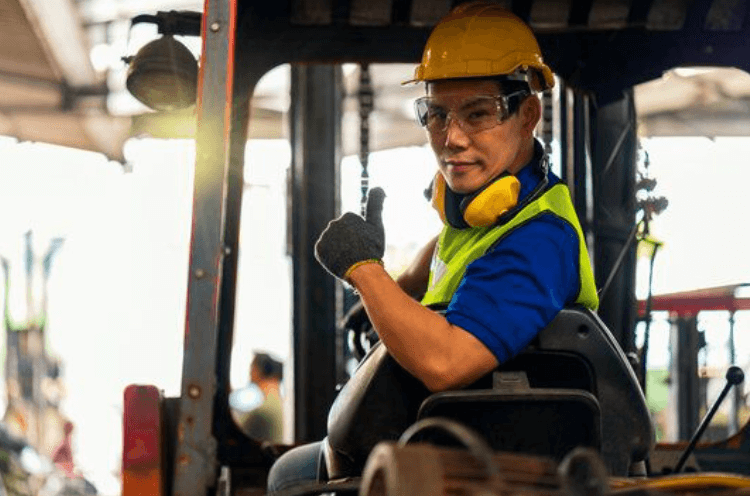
x=58, y=28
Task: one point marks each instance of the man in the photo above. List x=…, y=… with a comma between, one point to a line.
x=266, y=422
x=511, y=254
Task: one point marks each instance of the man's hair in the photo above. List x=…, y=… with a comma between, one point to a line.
x=268, y=367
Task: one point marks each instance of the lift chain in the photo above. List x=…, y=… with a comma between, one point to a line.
x=547, y=132
x=365, y=97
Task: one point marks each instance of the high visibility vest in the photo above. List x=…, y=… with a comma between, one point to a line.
x=457, y=248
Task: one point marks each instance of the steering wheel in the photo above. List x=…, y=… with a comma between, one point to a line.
x=360, y=334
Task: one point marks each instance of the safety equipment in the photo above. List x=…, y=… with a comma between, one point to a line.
x=494, y=203
x=473, y=115
x=457, y=248
x=351, y=240
x=482, y=39
x=483, y=207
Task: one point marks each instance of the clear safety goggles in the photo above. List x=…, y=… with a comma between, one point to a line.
x=473, y=115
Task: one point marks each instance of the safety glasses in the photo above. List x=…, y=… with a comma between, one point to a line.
x=473, y=115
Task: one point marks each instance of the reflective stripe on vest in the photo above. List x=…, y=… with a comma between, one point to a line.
x=457, y=248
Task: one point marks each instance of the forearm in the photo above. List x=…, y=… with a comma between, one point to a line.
x=439, y=354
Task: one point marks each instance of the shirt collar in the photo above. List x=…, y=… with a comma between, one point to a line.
x=531, y=175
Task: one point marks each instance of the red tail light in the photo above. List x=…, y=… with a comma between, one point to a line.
x=142, y=450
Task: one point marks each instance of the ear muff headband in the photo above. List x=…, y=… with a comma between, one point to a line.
x=483, y=207
x=540, y=188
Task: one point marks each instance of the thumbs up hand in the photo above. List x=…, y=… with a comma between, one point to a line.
x=351, y=240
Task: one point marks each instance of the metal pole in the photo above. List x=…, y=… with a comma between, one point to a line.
x=684, y=388
x=316, y=144
x=734, y=412
x=648, y=318
x=615, y=215
x=196, y=464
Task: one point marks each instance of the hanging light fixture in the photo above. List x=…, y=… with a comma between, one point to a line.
x=163, y=75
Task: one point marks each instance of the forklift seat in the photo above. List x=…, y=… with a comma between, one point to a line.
x=573, y=386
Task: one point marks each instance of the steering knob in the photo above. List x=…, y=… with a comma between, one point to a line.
x=735, y=375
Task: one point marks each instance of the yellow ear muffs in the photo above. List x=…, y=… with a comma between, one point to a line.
x=438, y=196
x=492, y=202
x=485, y=206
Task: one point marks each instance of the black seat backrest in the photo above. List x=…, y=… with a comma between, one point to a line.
x=381, y=399
x=627, y=429
x=547, y=422
x=580, y=389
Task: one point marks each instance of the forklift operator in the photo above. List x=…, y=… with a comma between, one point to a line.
x=511, y=253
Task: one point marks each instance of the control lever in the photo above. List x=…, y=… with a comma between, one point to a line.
x=734, y=377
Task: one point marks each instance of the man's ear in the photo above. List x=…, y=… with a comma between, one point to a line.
x=531, y=113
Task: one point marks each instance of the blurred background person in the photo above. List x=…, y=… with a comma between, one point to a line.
x=257, y=408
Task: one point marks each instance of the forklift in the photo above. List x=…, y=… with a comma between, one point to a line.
x=599, y=50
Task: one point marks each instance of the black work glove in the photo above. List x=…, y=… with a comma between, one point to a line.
x=350, y=240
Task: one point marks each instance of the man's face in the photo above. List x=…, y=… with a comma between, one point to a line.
x=470, y=159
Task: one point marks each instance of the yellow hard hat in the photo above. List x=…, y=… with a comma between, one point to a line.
x=482, y=39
